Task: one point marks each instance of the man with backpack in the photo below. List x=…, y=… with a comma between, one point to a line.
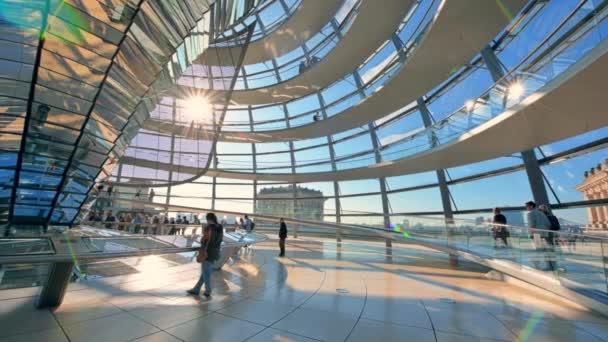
x=211, y=242
x=249, y=224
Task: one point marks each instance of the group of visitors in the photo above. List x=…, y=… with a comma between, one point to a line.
x=109, y=190
x=246, y=224
x=151, y=195
x=213, y=233
x=126, y=221
x=543, y=228
x=542, y=225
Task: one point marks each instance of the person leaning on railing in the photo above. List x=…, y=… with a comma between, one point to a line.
x=499, y=229
x=553, y=222
x=539, y=226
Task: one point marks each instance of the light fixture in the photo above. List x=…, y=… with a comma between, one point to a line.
x=516, y=90
x=197, y=109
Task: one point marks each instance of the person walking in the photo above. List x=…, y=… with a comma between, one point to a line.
x=499, y=227
x=282, y=236
x=211, y=242
x=551, y=236
x=539, y=226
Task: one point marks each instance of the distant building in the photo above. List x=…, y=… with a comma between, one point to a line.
x=595, y=186
x=308, y=206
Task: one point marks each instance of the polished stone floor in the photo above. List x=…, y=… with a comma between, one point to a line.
x=321, y=291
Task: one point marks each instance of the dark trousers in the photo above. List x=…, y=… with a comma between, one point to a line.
x=282, y=245
x=503, y=238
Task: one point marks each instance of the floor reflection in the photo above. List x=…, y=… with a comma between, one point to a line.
x=321, y=291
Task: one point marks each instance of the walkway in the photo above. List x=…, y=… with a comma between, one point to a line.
x=541, y=118
x=309, y=18
x=371, y=28
x=320, y=292
x=442, y=50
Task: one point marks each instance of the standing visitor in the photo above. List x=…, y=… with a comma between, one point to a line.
x=249, y=225
x=128, y=221
x=282, y=237
x=499, y=227
x=151, y=195
x=138, y=221
x=211, y=242
x=539, y=226
x=156, y=223
x=551, y=236
x=111, y=219
x=553, y=221
x=173, y=230
x=184, y=222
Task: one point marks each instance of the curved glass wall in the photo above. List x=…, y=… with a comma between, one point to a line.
x=403, y=134
x=550, y=38
x=188, y=154
x=77, y=80
x=475, y=189
x=345, y=93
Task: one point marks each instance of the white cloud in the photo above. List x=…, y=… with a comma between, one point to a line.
x=570, y=174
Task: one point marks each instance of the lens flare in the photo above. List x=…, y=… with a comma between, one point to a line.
x=531, y=324
x=398, y=229
x=469, y=105
x=74, y=257
x=65, y=21
x=505, y=11
x=516, y=90
x=196, y=109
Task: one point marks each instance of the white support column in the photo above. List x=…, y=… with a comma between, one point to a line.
x=591, y=211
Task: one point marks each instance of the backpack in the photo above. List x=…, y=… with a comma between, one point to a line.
x=554, y=222
x=252, y=225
